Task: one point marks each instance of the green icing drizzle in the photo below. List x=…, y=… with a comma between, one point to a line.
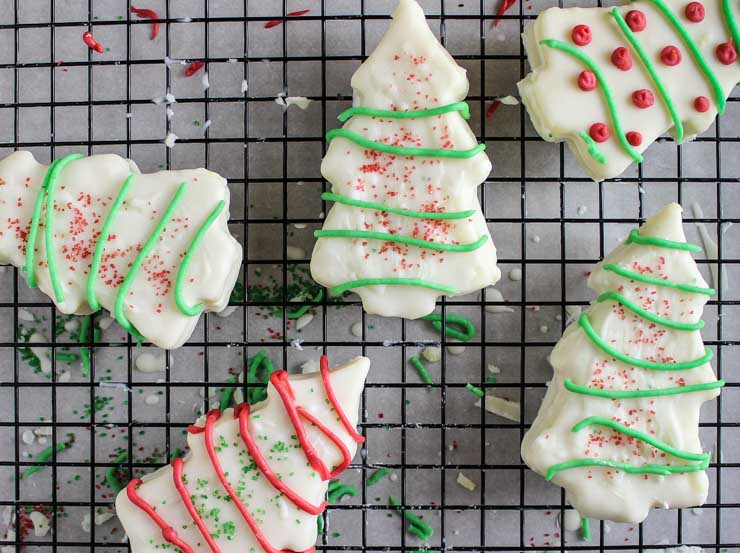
x=462, y=107
x=41, y=197
x=392, y=282
x=136, y=265
x=700, y=60
x=298, y=313
x=92, y=300
x=731, y=22
x=397, y=210
x=631, y=394
x=110, y=473
x=84, y=337
x=376, y=476
x=51, y=254
x=593, y=148
x=652, y=71
x=702, y=458
x=402, y=150
x=385, y=237
x=626, y=273
x=632, y=306
x=585, y=324
x=606, y=90
x=451, y=332
x=636, y=238
x=183, y=271
x=423, y=373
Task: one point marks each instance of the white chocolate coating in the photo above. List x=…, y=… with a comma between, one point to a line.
x=606, y=493
x=283, y=524
x=560, y=110
x=84, y=194
x=409, y=70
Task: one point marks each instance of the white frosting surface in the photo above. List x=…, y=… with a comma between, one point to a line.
x=283, y=524
x=606, y=493
x=409, y=70
x=84, y=193
x=560, y=110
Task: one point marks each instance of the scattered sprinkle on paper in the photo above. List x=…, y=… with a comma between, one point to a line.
x=41, y=353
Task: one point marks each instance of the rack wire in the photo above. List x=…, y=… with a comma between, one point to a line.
x=547, y=219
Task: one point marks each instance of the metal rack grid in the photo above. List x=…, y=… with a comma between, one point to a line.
x=425, y=434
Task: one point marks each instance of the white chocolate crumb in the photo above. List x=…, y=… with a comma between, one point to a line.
x=492, y=294
x=515, y=275
x=501, y=407
x=149, y=362
x=303, y=321
x=300, y=101
x=25, y=315
x=571, y=520
x=535, y=239
x=205, y=83
x=295, y=252
x=28, y=437
x=356, y=329
x=206, y=124
x=72, y=325
x=105, y=323
x=493, y=369
x=42, y=440
x=432, y=353
x=465, y=482
x=509, y=100
x=170, y=140
x=152, y=399
x=581, y=210
x=455, y=350
x=544, y=329
x=245, y=86
x=40, y=523
x=66, y=376
x=310, y=366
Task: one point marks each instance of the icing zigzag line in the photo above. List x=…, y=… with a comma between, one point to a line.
x=402, y=150
x=393, y=281
x=435, y=215
x=408, y=240
x=665, y=470
x=626, y=273
x=647, y=315
x=631, y=394
x=462, y=107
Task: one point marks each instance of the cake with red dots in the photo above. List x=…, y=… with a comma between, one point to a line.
x=619, y=425
x=94, y=233
x=610, y=81
x=406, y=225
x=256, y=477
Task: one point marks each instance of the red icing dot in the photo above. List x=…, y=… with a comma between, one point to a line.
x=636, y=20
x=621, y=58
x=670, y=55
x=634, y=138
x=701, y=104
x=581, y=35
x=694, y=12
x=586, y=81
x=726, y=53
x=599, y=132
x=643, y=98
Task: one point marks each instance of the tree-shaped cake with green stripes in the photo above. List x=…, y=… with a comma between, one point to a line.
x=610, y=81
x=619, y=426
x=406, y=225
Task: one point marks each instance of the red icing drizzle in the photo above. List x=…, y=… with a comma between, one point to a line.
x=634, y=138
x=185, y=495
x=242, y=413
x=726, y=53
x=636, y=20
x=701, y=104
x=694, y=12
x=586, y=81
x=581, y=35
x=599, y=132
x=643, y=98
x=295, y=412
x=621, y=58
x=670, y=55
x=168, y=533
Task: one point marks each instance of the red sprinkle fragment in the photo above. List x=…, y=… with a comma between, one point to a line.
x=147, y=13
x=493, y=106
x=193, y=68
x=275, y=22
x=503, y=7
x=93, y=44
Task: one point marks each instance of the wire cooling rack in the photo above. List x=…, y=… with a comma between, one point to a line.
x=548, y=221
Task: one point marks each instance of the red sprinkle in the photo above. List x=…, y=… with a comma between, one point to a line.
x=503, y=7
x=643, y=98
x=146, y=13
x=586, y=81
x=193, y=68
x=634, y=138
x=694, y=12
x=701, y=104
x=275, y=22
x=492, y=108
x=636, y=20
x=670, y=55
x=93, y=44
x=581, y=35
x=621, y=58
x=726, y=53
x=599, y=132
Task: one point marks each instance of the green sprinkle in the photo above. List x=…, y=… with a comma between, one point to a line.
x=46, y=454
x=586, y=529
x=302, y=310
x=474, y=389
x=110, y=474
x=378, y=475
x=84, y=337
x=339, y=491
x=416, y=525
x=66, y=357
x=468, y=328
x=416, y=362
